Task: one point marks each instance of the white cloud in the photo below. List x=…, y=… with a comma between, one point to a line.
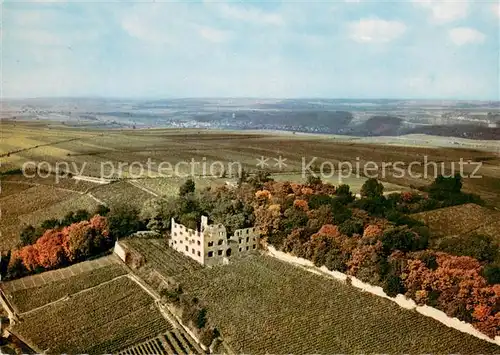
x=443, y=11
x=249, y=14
x=464, y=35
x=214, y=35
x=496, y=9
x=160, y=23
x=376, y=30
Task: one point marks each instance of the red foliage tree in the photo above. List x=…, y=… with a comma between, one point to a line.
x=51, y=253
x=29, y=256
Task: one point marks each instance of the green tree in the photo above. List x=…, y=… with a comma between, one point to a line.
x=492, y=274
x=29, y=235
x=50, y=224
x=393, y=285
x=404, y=239
x=159, y=213
x=124, y=221
x=372, y=189
x=259, y=179
x=102, y=210
x=351, y=227
x=344, y=195
x=313, y=180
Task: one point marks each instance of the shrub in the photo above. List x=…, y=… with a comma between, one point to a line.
x=393, y=285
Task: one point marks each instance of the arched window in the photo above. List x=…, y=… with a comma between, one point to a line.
x=228, y=252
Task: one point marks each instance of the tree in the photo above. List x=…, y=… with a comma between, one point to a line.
x=403, y=239
x=159, y=213
x=372, y=189
x=50, y=249
x=351, y=227
x=316, y=201
x=259, y=179
x=28, y=235
x=340, y=212
x=393, y=285
x=79, y=241
x=344, y=194
x=102, y=210
x=187, y=187
x=68, y=219
x=50, y=224
x=29, y=257
x=313, y=180
x=451, y=184
x=492, y=274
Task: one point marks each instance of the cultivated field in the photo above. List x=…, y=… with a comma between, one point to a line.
x=59, y=210
x=26, y=201
x=35, y=291
x=354, y=182
x=97, y=151
x=160, y=257
x=171, y=343
x=92, y=152
x=121, y=193
x=463, y=219
x=263, y=305
x=170, y=186
x=100, y=319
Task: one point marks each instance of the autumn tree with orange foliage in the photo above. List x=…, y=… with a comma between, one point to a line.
x=59, y=247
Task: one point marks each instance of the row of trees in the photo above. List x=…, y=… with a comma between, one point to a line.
x=222, y=205
x=30, y=234
x=76, y=237
x=60, y=247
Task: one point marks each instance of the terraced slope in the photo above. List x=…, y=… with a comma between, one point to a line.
x=98, y=320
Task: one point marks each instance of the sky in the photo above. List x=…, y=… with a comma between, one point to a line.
x=426, y=49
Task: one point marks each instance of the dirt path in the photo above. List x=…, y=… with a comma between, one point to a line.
x=35, y=184
x=145, y=189
x=8, y=154
x=96, y=199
